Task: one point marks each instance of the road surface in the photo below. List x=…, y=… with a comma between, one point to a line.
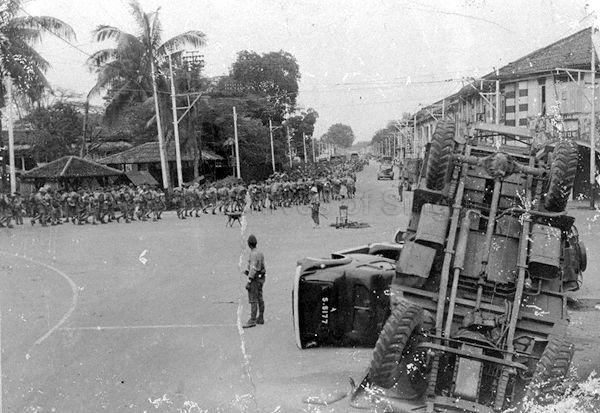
x=145, y=316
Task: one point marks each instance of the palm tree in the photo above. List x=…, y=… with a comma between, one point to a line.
x=19, y=32
x=128, y=70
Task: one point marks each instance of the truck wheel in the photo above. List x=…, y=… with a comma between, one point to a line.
x=439, y=160
x=550, y=371
x=396, y=361
x=582, y=256
x=562, y=175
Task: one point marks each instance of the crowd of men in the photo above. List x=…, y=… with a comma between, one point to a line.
x=50, y=206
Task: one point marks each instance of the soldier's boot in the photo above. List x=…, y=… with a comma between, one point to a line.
x=252, y=321
x=261, y=313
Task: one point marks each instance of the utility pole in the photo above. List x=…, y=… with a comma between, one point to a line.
x=175, y=126
x=593, y=133
x=313, y=148
x=304, y=145
x=272, y=150
x=237, y=147
x=289, y=140
x=86, y=113
x=414, y=148
x=161, y=144
x=497, y=98
x=11, y=138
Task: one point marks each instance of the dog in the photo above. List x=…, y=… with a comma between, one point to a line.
x=232, y=217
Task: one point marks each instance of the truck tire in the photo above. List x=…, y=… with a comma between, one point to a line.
x=439, y=160
x=550, y=371
x=562, y=175
x=396, y=347
x=582, y=256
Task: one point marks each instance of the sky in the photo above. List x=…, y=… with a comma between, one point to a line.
x=362, y=62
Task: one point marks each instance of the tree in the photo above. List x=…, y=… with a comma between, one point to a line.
x=262, y=88
x=341, y=135
x=302, y=126
x=269, y=81
x=18, y=59
x=382, y=135
x=56, y=130
x=126, y=70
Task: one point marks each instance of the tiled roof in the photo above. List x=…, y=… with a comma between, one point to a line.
x=148, y=153
x=141, y=177
x=574, y=51
x=71, y=167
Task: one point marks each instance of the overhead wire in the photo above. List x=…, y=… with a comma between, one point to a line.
x=57, y=36
x=375, y=84
x=419, y=6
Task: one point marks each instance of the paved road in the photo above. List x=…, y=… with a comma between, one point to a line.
x=144, y=317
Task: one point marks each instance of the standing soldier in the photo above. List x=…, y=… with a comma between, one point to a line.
x=326, y=190
x=314, y=206
x=256, y=279
x=71, y=206
x=5, y=211
x=178, y=203
x=17, y=205
x=162, y=203
x=128, y=197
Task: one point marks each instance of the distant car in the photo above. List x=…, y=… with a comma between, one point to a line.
x=386, y=171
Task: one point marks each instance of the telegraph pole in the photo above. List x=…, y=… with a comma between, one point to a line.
x=593, y=132
x=175, y=126
x=304, y=146
x=272, y=150
x=497, y=97
x=161, y=144
x=289, y=140
x=414, y=136
x=237, y=145
x=313, y=149
x=11, y=138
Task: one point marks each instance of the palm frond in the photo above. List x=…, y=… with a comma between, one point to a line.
x=107, y=75
x=31, y=36
x=192, y=38
x=19, y=50
x=156, y=31
x=47, y=23
x=101, y=57
x=137, y=12
x=121, y=98
x=105, y=32
x=38, y=61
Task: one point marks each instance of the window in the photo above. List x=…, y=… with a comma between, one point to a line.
x=523, y=122
x=523, y=92
x=523, y=107
x=510, y=122
x=510, y=94
x=510, y=109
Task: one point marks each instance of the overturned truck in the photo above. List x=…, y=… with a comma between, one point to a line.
x=473, y=316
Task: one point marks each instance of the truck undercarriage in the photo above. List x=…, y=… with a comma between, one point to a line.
x=473, y=315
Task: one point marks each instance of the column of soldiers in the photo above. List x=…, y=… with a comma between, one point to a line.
x=279, y=191
x=50, y=206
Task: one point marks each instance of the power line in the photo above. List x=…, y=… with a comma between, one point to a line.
x=57, y=36
x=451, y=13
